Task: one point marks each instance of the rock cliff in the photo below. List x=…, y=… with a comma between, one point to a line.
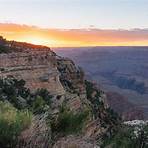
x=42, y=68
x=37, y=65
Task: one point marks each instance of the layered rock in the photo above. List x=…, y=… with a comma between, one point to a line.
x=42, y=68
x=37, y=66
x=123, y=107
x=72, y=79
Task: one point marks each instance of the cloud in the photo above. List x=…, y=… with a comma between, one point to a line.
x=74, y=37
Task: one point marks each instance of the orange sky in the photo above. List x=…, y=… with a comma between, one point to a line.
x=74, y=37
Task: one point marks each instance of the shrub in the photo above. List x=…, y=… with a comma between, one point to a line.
x=126, y=137
x=12, y=122
x=38, y=105
x=44, y=93
x=69, y=122
x=11, y=89
x=4, y=49
x=16, y=93
x=89, y=89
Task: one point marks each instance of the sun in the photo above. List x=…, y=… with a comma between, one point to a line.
x=39, y=40
x=35, y=41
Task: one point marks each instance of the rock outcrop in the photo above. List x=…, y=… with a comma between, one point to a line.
x=36, y=65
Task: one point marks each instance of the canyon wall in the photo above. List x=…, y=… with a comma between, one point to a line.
x=37, y=67
x=42, y=68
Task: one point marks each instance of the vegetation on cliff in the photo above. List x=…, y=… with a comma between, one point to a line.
x=69, y=122
x=98, y=106
x=15, y=97
x=4, y=49
x=12, y=123
x=15, y=92
x=128, y=137
x=14, y=46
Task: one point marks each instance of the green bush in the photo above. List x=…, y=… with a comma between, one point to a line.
x=69, y=122
x=12, y=122
x=125, y=138
x=89, y=89
x=15, y=92
x=4, y=49
x=44, y=93
x=38, y=105
x=11, y=89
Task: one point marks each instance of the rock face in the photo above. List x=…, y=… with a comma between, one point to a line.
x=40, y=67
x=38, y=135
x=74, y=142
x=72, y=79
x=124, y=108
x=37, y=66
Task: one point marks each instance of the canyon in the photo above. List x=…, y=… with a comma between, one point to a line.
x=41, y=68
x=119, y=71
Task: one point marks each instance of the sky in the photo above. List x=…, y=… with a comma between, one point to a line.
x=92, y=22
